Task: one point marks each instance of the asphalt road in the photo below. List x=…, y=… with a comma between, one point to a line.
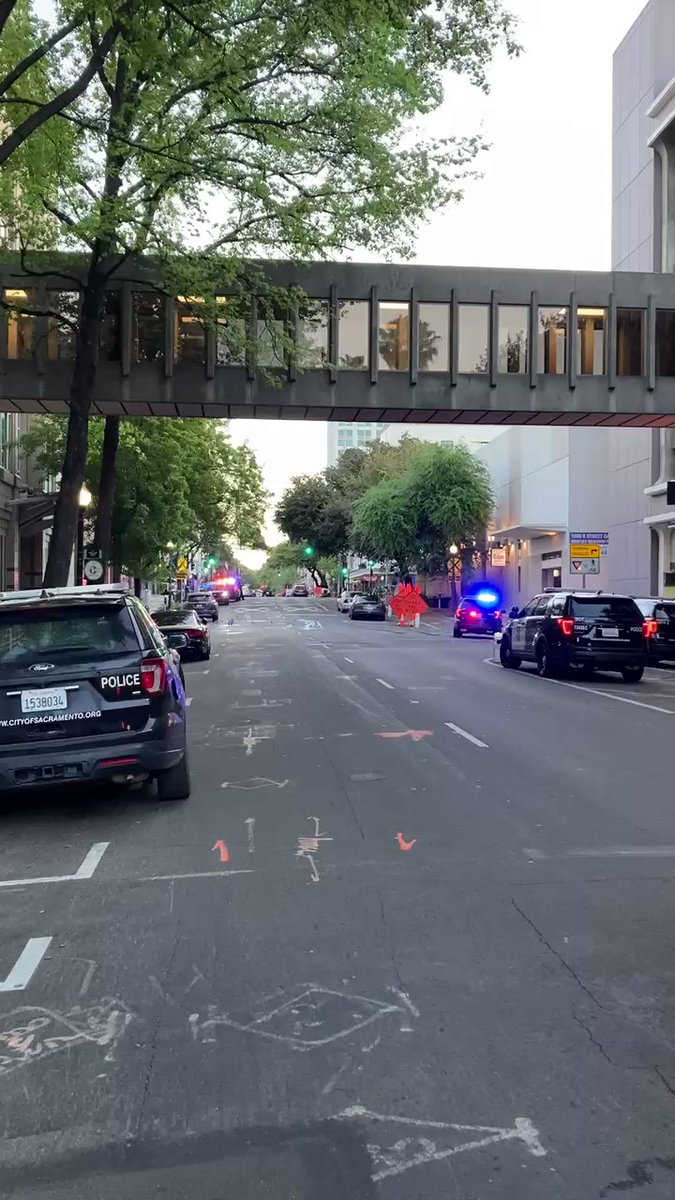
x=411, y=937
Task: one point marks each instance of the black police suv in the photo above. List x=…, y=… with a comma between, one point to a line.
x=90, y=690
x=659, y=615
x=577, y=632
x=478, y=612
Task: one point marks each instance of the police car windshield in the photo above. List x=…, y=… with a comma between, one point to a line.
x=95, y=632
x=604, y=608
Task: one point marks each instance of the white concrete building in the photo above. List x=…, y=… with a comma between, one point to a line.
x=474, y=436
x=350, y=435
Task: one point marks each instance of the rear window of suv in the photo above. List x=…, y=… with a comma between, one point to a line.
x=70, y=632
x=604, y=608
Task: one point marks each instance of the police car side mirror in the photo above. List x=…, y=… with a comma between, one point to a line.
x=513, y=612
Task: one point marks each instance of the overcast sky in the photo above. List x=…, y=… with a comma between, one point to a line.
x=544, y=199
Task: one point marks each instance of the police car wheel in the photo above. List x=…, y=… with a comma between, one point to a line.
x=457, y=632
x=174, y=784
x=544, y=666
x=506, y=657
x=632, y=674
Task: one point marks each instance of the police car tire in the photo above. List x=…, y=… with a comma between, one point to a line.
x=544, y=668
x=632, y=674
x=174, y=784
x=456, y=632
x=506, y=657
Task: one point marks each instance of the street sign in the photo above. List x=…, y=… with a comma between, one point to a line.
x=585, y=566
x=93, y=570
x=182, y=566
x=92, y=552
x=584, y=550
x=592, y=538
x=498, y=556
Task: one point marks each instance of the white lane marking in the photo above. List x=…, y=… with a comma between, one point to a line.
x=349, y=660
x=251, y=785
x=351, y=678
x=250, y=823
x=387, y=685
x=91, y=861
x=194, y=875
x=469, y=736
x=414, y=701
x=579, y=687
x=605, y=852
x=26, y=965
x=84, y=871
x=206, y=671
x=217, y=655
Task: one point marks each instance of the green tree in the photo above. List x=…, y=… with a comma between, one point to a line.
x=235, y=127
x=179, y=480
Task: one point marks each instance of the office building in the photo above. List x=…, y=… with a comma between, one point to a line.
x=350, y=435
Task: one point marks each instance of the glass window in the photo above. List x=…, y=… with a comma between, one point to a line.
x=591, y=325
x=60, y=336
x=513, y=319
x=629, y=341
x=7, y=439
x=231, y=331
x=473, y=338
x=111, y=347
x=313, y=335
x=434, y=337
x=189, y=331
x=552, y=341
x=542, y=606
x=66, y=632
x=353, y=335
x=270, y=349
x=614, y=607
x=394, y=336
x=21, y=327
x=665, y=342
x=148, y=327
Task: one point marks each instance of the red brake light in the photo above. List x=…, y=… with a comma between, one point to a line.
x=566, y=624
x=474, y=613
x=153, y=676
x=650, y=628
x=198, y=633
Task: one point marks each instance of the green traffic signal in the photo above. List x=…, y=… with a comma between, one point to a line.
x=309, y=551
x=344, y=571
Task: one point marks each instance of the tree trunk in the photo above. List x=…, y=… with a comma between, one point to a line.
x=106, y=488
x=75, y=456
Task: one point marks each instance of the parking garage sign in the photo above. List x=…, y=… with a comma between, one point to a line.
x=592, y=538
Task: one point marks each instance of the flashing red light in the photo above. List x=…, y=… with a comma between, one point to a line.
x=567, y=625
x=473, y=612
x=650, y=628
x=153, y=676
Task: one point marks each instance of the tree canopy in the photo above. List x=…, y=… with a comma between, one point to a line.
x=231, y=128
x=178, y=480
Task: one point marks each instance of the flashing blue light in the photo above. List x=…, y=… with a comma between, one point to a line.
x=487, y=598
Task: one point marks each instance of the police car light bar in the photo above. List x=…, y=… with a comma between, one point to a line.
x=103, y=589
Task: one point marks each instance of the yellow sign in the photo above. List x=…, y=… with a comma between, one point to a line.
x=182, y=568
x=581, y=550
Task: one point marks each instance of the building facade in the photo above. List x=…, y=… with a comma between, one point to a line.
x=350, y=435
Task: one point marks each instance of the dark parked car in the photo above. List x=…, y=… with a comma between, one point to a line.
x=659, y=617
x=577, y=631
x=186, y=621
x=300, y=590
x=205, y=604
x=89, y=691
x=367, y=608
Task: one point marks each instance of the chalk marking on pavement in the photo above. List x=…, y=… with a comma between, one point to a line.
x=222, y=850
x=334, y=1078
x=309, y=846
x=207, y=671
x=414, y=701
x=158, y=988
x=403, y=845
x=189, y=700
x=250, y=824
x=252, y=785
x=26, y=965
x=84, y=871
x=252, y=692
x=405, y=999
x=195, y=875
x=387, y=685
x=89, y=975
x=469, y=736
x=349, y=660
x=42, y=1032
x=415, y=735
x=345, y=735
x=394, y=1159
x=350, y=1014
x=367, y=1049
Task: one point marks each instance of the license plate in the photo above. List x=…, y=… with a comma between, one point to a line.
x=44, y=700
x=610, y=632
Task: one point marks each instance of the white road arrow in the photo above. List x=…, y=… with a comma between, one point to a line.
x=250, y=821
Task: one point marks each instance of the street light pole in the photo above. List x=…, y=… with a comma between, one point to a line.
x=83, y=500
x=453, y=576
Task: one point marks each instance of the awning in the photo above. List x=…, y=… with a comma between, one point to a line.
x=36, y=513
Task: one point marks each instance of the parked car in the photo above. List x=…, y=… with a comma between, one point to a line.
x=345, y=599
x=659, y=614
x=187, y=621
x=577, y=631
x=90, y=691
x=205, y=604
x=300, y=590
x=367, y=608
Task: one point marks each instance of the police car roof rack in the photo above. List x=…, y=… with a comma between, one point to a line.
x=48, y=593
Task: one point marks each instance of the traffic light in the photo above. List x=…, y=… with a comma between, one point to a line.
x=308, y=551
x=212, y=561
x=344, y=571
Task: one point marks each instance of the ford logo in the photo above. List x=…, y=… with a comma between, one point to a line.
x=41, y=667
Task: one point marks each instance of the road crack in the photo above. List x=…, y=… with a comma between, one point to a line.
x=595, y=1041
x=556, y=953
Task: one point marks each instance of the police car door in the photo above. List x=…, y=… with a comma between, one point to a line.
x=534, y=623
x=519, y=628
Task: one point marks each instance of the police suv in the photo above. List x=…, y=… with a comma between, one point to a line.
x=90, y=690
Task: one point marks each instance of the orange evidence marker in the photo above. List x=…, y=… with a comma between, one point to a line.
x=224, y=852
x=403, y=845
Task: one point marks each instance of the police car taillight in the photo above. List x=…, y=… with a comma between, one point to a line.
x=153, y=676
x=566, y=625
x=650, y=628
